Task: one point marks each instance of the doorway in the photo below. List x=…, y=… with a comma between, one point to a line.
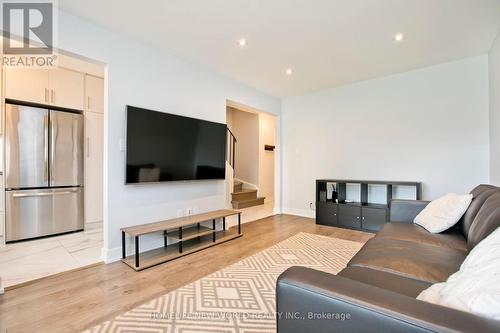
x=251, y=180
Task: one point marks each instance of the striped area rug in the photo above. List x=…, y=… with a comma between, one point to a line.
x=238, y=298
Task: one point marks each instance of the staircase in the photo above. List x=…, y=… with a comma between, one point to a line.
x=240, y=198
x=244, y=198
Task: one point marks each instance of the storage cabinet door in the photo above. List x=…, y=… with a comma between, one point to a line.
x=94, y=94
x=326, y=213
x=373, y=218
x=350, y=216
x=29, y=85
x=66, y=88
x=94, y=144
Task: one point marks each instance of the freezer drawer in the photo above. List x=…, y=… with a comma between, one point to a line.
x=26, y=147
x=36, y=213
x=66, y=149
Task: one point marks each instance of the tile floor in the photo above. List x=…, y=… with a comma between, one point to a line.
x=30, y=260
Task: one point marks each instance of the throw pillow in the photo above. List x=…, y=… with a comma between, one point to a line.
x=475, y=287
x=443, y=213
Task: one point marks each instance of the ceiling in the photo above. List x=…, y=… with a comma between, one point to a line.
x=327, y=43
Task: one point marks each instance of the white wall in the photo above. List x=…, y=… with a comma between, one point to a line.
x=245, y=126
x=428, y=125
x=141, y=76
x=267, y=136
x=494, y=67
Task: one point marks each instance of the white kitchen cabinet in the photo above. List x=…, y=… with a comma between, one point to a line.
x=58, y=87
x=66, y=88
x=94, y=154
x=94, y=94
x=29, y=85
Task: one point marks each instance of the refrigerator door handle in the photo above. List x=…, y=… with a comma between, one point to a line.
x=54, y=132
x=46, y=145
x=43, y=194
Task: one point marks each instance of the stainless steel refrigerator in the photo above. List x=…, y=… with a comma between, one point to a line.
x=43, y=172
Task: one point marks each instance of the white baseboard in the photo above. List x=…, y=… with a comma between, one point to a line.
x=111, y=255
x=299, y=212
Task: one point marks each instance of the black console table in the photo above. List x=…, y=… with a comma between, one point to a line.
x=361, y=212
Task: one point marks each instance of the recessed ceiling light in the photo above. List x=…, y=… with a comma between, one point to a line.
x=289, y=71
x=242, y=42
x=399, y=37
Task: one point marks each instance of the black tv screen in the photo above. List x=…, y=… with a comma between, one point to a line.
x=166, y=147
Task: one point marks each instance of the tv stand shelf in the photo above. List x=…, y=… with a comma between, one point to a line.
x=189, y=234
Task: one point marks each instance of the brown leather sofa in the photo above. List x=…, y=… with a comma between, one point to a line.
x=377, y=290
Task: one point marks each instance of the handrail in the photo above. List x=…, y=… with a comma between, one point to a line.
x=232, y=134
x=231, y=154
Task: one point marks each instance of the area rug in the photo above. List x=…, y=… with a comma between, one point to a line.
x=238, y=298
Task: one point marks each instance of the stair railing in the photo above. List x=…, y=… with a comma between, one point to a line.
x=231, y=151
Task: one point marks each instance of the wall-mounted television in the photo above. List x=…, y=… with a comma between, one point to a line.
x=164, y=147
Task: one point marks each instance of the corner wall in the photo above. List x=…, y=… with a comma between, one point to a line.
x=494, y=69
x=429, y=125
x=267, y=136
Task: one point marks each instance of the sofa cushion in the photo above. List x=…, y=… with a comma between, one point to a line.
x=479, y=195
x=486, y=221
x=397, y=283
x=415, y=233
x=423, y=262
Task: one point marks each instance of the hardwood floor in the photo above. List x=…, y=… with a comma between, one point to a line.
x=76, y=300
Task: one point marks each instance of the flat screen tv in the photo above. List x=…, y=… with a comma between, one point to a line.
x=165, y=147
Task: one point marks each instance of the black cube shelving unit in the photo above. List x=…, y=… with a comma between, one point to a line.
x=358, y=210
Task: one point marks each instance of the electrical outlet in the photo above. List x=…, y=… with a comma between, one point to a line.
x=189, y=211
x=179, y=213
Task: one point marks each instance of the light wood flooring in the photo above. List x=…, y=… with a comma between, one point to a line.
x=76, y=300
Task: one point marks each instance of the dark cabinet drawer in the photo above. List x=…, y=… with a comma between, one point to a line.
x=326, y=213
x=373, y=219
x=350, y=216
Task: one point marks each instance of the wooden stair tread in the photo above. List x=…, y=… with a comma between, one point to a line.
x=245, y=191
x=249, y=200
x=245, y=203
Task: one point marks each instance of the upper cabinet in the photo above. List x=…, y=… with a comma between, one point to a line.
x=94, y=94
x=29, y=85
x=58, y=87
x=66, y=88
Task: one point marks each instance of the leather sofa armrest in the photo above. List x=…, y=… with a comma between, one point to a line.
x=405, y=210
x=312, y=301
